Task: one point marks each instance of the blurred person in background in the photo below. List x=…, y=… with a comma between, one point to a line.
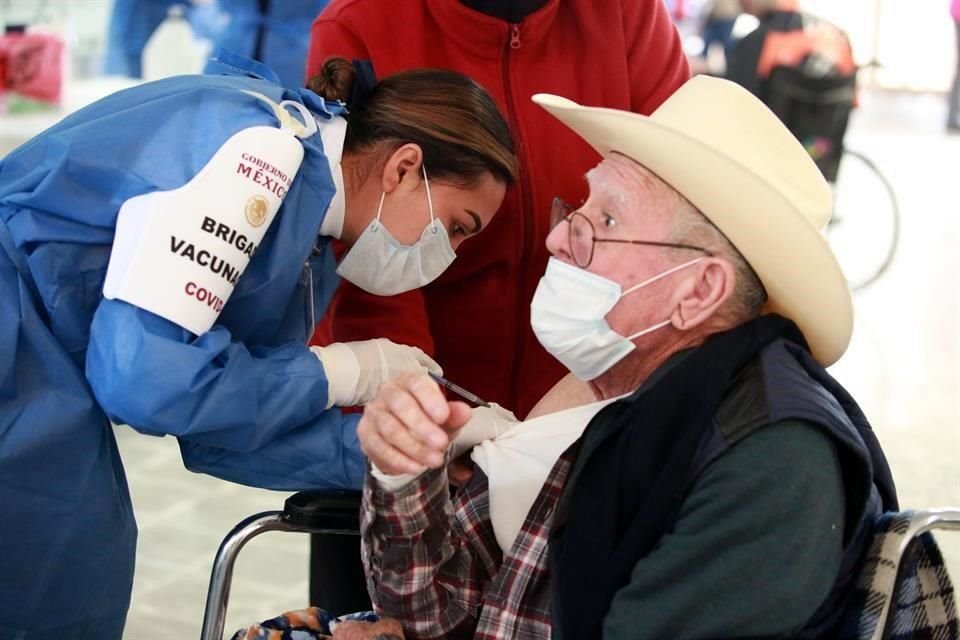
x=744, y=56
x=953, y=111
x=275, y=32
x=721, y=15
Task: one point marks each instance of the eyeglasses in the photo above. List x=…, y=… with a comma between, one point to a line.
x=582, y=236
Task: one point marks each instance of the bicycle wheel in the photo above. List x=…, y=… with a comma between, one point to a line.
x=865, y=226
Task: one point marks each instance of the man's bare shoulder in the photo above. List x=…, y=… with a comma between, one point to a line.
x=569, y=392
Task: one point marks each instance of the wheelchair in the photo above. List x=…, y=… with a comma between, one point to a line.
x=864, y=229
x=902, y=579
x=333, y=517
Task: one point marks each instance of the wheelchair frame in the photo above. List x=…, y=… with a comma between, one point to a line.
x=333, y=512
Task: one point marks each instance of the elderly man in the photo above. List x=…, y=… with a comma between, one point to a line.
x=708, y=479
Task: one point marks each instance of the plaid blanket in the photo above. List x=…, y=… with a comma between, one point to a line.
x=918, y=591
x=317, y=624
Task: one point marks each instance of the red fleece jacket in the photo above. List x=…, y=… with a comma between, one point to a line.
x=475, y=318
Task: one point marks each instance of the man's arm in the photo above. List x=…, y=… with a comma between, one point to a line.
x=421, y=569
x=330, y=37
x=421, y=562
x=655, y=55
x=756, y=549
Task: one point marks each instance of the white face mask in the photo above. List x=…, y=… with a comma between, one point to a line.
x=568, y=315
x=379, y=264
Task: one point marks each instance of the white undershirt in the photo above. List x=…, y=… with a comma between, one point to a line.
x=518, y=462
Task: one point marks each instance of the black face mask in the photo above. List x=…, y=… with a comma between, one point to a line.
x=509, y=10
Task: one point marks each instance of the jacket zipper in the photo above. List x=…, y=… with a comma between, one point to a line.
x=514, y=36
x=513, y=43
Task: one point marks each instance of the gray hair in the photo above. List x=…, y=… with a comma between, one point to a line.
x=690, y=226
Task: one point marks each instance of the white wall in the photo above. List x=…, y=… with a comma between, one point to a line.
x=914, y=40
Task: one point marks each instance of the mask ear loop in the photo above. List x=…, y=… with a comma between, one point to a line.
x=662, y=275
x=659, y=325
x=426, y=183
x=383, y=195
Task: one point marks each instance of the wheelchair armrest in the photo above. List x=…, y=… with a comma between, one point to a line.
x=332, y=510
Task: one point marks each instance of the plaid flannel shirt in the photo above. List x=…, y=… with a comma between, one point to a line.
x=433, y=562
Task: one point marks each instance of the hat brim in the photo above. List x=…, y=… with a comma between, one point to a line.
x=802, y=278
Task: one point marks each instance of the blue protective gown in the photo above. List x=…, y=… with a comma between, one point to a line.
x=277, y=33
x=245, y=399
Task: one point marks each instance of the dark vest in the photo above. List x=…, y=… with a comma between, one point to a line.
x=782, y=383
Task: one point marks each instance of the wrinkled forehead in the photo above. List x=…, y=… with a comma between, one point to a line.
x=629, y=187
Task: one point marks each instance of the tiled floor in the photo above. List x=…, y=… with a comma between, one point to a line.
x=903, y=366
x=182, y=518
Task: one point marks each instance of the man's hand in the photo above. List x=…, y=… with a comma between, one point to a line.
x=409, y=424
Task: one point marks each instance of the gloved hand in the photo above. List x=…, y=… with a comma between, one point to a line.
x=486, y=424
x=355, y=370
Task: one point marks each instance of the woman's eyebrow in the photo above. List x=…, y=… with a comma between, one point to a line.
x=477, y=225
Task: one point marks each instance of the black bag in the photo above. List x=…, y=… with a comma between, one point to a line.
x=815, y=105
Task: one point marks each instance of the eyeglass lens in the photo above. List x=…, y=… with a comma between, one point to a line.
x=581, y=239
x=580, y=234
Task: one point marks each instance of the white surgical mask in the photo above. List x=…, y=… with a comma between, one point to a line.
x=568, y=315
x=379, y=264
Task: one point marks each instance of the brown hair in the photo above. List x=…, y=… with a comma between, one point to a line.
x=452, y=118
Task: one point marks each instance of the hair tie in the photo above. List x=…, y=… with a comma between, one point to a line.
x=364, y=83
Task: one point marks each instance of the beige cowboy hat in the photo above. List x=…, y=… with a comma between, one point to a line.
x=731, y=157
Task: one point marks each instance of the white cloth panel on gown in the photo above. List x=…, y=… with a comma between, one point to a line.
x=180, y=253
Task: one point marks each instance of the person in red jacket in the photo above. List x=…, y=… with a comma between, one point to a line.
x=623, y=54
x=475, y=319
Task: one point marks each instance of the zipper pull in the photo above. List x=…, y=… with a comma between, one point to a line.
x=514, y=36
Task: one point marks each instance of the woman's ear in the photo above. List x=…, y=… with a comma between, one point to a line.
x=699, y=297
x=402, y=168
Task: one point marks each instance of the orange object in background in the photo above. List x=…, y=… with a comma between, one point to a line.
x=789, y=48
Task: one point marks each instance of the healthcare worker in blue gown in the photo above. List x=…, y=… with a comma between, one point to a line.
x=164, y=253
